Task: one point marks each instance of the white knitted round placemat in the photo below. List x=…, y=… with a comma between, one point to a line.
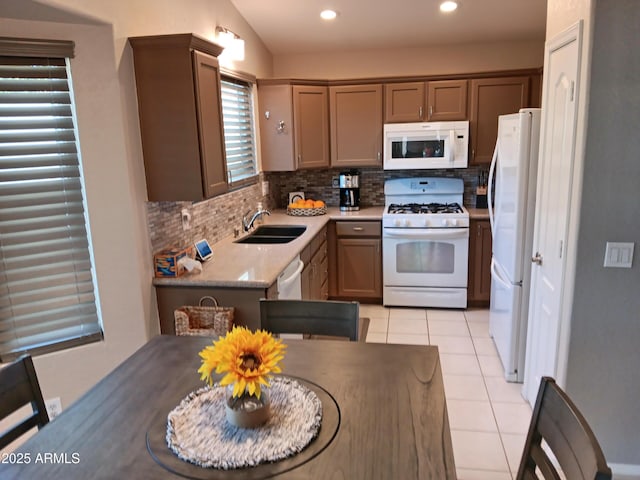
x=198, y=432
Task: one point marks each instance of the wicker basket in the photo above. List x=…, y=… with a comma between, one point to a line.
x=202, y=320
x=306, y=212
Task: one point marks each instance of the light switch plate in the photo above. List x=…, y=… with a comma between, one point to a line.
x=618, y=254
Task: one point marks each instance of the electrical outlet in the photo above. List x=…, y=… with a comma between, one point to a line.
x=186, y=219
x=54, y=407
x=335, y=182
x=265, y=188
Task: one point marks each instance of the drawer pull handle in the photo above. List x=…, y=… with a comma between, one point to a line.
x=358, y=229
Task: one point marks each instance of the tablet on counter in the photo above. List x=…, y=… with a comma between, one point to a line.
x=203, y=250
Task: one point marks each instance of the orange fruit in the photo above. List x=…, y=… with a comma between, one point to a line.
x=318, y=204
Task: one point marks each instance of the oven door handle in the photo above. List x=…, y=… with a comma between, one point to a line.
x=430, y=234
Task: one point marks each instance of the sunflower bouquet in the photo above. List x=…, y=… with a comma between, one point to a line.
x=248, y=360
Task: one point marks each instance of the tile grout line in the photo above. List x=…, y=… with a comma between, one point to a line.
x=484, y=382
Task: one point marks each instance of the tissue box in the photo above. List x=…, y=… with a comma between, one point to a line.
x=166, y=261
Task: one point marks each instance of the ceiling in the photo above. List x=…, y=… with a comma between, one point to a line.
x=295, y=26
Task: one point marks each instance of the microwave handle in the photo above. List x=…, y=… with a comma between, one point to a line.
x=452, y=145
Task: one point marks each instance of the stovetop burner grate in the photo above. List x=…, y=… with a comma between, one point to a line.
x=425, y=208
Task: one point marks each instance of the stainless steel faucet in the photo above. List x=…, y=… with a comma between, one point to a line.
x=247, y=225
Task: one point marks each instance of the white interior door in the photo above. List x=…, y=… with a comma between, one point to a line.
x=553, y=206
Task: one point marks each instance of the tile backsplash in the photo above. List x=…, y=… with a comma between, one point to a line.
x=317, y=184
x=216, y=218
x=213, y=219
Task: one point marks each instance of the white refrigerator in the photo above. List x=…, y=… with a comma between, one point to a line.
x=514, y=169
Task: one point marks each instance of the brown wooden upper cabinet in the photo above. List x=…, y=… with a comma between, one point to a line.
x=440, y=100
x=178, y=85
x=294, y=126
x=490, y=98
x=356, y=125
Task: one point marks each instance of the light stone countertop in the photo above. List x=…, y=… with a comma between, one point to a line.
x=478, y=213
x=238, y=265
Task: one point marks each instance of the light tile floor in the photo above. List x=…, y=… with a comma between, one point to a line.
x=488, y=416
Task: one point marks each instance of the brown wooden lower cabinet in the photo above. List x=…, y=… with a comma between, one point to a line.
x=315, y=275
x=355, y=256
x=479, y=286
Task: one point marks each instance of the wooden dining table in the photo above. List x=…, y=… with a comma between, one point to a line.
x=385, y=417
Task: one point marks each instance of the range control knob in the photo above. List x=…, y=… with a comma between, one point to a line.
x=427, y=222
x=397, y=222
x=453, y=222
x=407, y=223
x=444, y=222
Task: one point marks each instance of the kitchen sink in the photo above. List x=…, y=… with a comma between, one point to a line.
x=266, y=234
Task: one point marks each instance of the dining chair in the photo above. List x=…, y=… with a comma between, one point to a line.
x=19, y=387
x=328, y=317
x=558, y=423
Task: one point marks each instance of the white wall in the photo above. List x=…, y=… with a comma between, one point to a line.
x=444, y=59
x=104, y=83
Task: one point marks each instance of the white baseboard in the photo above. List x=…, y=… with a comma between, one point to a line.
x=627, y=471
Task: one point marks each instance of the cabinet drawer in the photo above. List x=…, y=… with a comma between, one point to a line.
x=358, y=229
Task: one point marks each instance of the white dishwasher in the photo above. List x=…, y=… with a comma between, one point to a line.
x=289, y=281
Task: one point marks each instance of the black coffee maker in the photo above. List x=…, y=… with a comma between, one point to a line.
x=349, y=191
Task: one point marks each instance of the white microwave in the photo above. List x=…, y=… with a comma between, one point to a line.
x=426, y=145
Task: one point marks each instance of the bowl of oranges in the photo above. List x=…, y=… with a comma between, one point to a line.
x=307, y=208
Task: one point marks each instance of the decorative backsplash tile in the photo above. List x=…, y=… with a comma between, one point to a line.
x=318, y=183
x=217, y=218
x=212, y=219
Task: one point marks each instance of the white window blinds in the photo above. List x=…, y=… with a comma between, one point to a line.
x=47, y=299
x=237, y=113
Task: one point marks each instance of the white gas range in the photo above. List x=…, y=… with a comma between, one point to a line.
x=425, y=243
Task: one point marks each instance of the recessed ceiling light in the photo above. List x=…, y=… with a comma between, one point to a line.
x=328, y=14
x=448, y=6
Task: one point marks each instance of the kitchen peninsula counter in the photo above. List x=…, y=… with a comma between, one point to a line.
x=237, y=265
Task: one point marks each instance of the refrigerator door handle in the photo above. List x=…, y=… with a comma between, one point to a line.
x=496, y=276
x=492, y=170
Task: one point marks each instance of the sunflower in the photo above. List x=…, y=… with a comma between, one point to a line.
x=248, y=359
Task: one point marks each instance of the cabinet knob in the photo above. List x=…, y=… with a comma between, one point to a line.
x=420, y=112
x=281, y=127
x=358, y=229
x=430, y=111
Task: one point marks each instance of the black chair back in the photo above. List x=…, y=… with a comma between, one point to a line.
x=19, y=387
x=559, y=423
x=331, y=318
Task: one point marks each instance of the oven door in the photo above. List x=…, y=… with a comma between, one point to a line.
x=425, y=257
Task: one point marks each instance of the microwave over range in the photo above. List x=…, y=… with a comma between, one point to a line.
x=426, y=145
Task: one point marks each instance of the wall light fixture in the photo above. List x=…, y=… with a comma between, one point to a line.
x=232, y=43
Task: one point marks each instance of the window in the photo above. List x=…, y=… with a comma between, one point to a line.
x=237, y=114
x=47, y=297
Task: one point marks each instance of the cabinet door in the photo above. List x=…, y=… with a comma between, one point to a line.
x=490, y=98
x=210, y=131
x=447, y=100
x=319, y=273
x=180, y=117
x=311, y=126
x=276, y=128
x=356, y=125
x=404, y=102
x=359, y=267
x=479, y=262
